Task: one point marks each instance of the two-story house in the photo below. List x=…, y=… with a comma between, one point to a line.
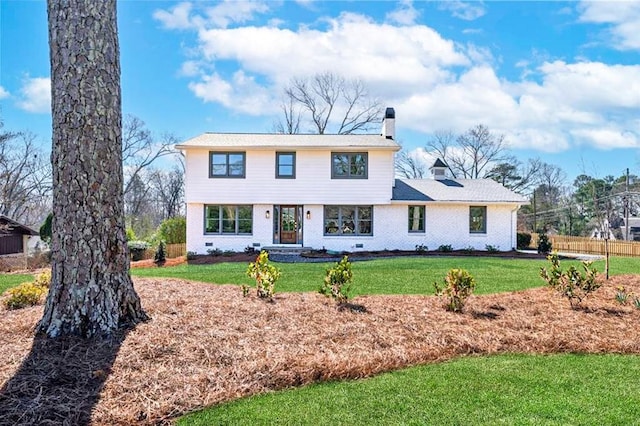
x=333, y=191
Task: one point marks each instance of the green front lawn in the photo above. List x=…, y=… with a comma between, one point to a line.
x=565, y=389
x=12, y=280
x=402, y=275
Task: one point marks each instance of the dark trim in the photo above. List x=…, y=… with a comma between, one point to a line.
x=484, y=217
x=349, y=156
x=220, y=219
x=228, y=175
x=278, y=175
x=356, y=221
x=424, y=219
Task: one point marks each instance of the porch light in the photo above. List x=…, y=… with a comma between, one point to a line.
x=308, y=214
x=267, y=214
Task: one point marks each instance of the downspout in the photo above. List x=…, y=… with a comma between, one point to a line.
x=514, y=239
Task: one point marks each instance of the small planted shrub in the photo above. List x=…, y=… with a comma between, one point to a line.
x=636, y=302
x=468, y=249
x=249, y=250
x=458, y=286
x=571, y=284
x=421, y=248
x=161, y=254
x=445, y=248
x=622, y=296
x=523, y=240
x=191, y=255
x=338, y=280
x=43, y=279
x=26, y=294
x=491, y=249
x=544, y=245
x=265, y=275
x=214, y=252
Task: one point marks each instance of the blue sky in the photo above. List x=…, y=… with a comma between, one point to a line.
x=560, y=79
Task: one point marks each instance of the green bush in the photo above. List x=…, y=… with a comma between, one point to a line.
x=492, y=249
x=46, y=229
x=458, y=286
x=523, y=240
x=173, y=230
x=26, y=294
x=445, y=248
x=421, y=248
x=570, y=283
x=544, y=245
x=338, y=280
x=137, y=249
x=265, y=275
x=131, y=235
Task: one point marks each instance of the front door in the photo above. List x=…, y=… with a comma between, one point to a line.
x=288, y=224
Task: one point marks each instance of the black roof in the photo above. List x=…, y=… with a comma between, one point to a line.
x=402, y=191
x=13, y=225
x=439, y=163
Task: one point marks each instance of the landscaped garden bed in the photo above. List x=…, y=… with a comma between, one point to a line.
x=207, y=344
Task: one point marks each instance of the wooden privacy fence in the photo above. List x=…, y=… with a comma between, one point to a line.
x=171, y=250
x=590, y=245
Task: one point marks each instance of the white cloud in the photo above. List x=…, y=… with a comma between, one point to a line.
x=468, y=11
x=433, y=82
x=35, y=95
x=622, y=17
x=4, y=93
x=404, y=14
x=222, y=15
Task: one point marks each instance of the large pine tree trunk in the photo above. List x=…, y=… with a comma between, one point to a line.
x=91, y=290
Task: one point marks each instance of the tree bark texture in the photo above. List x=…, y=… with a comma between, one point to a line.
x=91, y=290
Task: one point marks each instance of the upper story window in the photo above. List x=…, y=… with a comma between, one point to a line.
x=416, y=218
x=478, y=219
x=285, y=165
x=349, y=165
x=227, y=164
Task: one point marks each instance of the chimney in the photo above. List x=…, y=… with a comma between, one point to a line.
x=389, y=123
x=439, y=169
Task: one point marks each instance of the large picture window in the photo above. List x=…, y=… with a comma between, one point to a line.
x=227, y=164
x=348, y=220
x=285, y=165
x=416, y=218
x=478, y=219
x=349, y=165
x=228, y=219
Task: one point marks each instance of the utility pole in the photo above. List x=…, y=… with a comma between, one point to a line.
x=535, y=225
x=626, y=208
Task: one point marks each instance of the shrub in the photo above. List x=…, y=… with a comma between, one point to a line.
x=43, y=279
x=421, y=248
x=492, y=249
x=445, y=248
x=458, y=286
x=161, y=254
x=191, y=255
x=130, y=234
x=469, y=249
x=523, y=240
x=249, y=249
x=338, y=280
x=173, y=230
x=214, y=252
x=26, y=294
x=571, y=283
x=265, y=275
x=137, y=249
x=544, y=245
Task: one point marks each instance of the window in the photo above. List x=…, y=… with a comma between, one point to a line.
x=477, y=220
x=416, y=218
x=285, y=165
x=227, y=164
x=349, y=165
x=228, y=219
x=348, y=220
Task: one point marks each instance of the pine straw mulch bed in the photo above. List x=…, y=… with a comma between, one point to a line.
x=207, y=344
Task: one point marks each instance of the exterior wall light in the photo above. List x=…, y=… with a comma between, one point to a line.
x=267, y=214
x=308, y=214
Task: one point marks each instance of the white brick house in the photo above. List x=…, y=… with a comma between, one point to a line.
x=336, y=192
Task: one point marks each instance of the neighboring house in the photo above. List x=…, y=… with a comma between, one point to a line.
x=634, y=229
x=14, y=237
x=336, y=192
